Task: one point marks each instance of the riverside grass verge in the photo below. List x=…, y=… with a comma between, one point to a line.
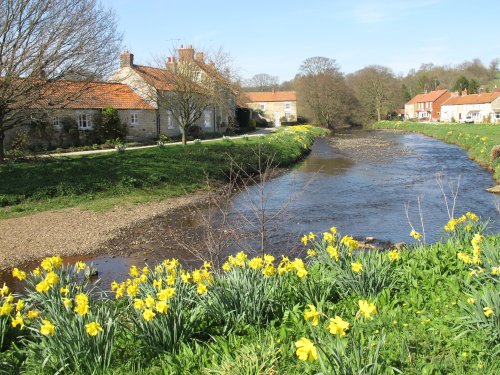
x=430, y=309
x=102, y=181
x=476, y=139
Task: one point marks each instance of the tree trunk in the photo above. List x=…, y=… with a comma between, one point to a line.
x=2, y=138
x=184, y=142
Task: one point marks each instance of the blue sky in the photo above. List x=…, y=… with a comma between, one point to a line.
x=275, y=36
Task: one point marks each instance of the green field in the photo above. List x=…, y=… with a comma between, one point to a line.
x=430, y=309
x=477, y=139
x=101, y=181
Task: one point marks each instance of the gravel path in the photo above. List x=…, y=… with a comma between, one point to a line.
x=71, y=232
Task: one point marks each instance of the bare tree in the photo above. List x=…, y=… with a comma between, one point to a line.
x=377, y=90
x=189, y=86
x=262, y=82
x=42, y=41
x=321, y=87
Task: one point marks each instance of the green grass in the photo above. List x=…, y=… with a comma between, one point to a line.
x=101, y=181
x=477, y=139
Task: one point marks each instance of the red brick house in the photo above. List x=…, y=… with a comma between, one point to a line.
x=426, y=106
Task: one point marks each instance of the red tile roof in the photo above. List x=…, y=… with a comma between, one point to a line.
x=156, y=77
x=91, y=95
x=428, y=97
x=485, y=97
x=271, y=96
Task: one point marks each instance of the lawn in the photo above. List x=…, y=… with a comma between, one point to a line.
x=477, y=139
x=100, y=181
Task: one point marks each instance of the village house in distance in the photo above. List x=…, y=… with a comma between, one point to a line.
x=276, y=106
x=444, y=106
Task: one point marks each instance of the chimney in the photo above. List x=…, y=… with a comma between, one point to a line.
x=126, y=59
x=199, y=56
x=464, y=92
x=186, y=54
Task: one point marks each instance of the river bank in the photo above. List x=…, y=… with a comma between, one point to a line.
x=477, y=139
x=124, y=224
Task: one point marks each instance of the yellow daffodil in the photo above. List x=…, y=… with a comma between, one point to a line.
x=269, y=270
x=4, y=290
x=393, y=255
x=6, y=308
x=64, y=290
x=138, y=304
x=82, y=309
x=93, y=328
x=19, y=305
x=134, y=271
x=338, y=326
x=32, y=314
x=312, y=314
x=148, y=314
x=256, y=263
x=67, y=302
x=165, y=294
x=306, y=350
x=132, y=290
x=201, y=288
x=149, y=301
x=471, y=301
x=43, y=286
x=18, y=321
x=18, y=274
x=47, y=328
x=268, y=259
x=356, y=267
x=415, y=235
x=495, y=271
x=80, y=266
x=186, y=277
x=333, y=251
x=367, y=309
x=311, y=253
x=161, y=307
x=304, y=239
x=52, y=278
x=488, y=311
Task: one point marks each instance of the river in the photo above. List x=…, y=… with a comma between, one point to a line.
x=358, y=181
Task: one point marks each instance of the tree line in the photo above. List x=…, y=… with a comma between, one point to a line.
x=334, y=99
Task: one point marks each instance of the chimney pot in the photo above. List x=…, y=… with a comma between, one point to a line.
x=182, y=45
x=126, y=59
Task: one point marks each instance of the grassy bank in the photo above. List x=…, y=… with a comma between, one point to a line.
x=434, y=309
x=477, y=139
x=103, y=180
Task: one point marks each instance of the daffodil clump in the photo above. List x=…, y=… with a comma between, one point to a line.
x=63, y=316
x=355, y=270
x=164, y=302
x=328, y=344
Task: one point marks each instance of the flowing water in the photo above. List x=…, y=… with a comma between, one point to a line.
x=358, y=181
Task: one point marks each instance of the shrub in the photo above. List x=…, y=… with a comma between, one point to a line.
x=108, y=126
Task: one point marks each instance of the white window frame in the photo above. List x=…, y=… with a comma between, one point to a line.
x=207, y=119
x=84, y=118
x=56, y=122
x=170, y=120
x=288, y=105
x=134, y=119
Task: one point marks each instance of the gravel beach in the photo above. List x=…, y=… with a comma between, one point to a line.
x=71, y=232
